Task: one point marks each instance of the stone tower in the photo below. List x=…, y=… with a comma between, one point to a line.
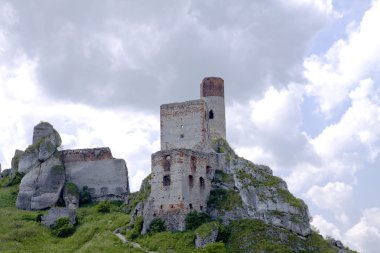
x=212, y=92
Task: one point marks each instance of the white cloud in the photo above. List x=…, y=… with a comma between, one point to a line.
x=332, y=75
x=365, y=235
x=332, y=196
x=326, y=228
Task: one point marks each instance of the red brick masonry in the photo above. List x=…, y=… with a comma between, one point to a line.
x=88, y=154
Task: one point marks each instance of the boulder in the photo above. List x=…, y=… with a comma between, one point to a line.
x=5, y=173
x=42, y=186
x=46, y=130
x=46, y=150
x=55, y=213
x=28, y=160
x=15, y=161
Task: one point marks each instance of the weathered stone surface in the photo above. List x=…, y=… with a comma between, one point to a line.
x=5, y=173
x=55, y=213
x=263, y=196
x=106, y=179
x=88, y=154
x=28, y=160
x=71, y=195
x=15, y=161
x=41, y=187
x=46, y=150
x=45, y=129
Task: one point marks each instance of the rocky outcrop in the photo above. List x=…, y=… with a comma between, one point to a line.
x=56, y=213
x=47, y=170
x=42, y=186
x=205, y=234
x=244, y=190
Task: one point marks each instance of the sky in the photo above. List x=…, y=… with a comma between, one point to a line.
x=302, y=88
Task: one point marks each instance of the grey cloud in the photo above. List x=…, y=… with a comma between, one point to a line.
x=166, y=47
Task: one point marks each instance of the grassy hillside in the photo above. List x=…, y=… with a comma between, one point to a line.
x=19, y=232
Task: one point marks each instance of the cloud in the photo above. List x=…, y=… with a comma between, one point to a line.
x=365, y=235
x=112, y=53
x=332, y=196
x=332, y=76
x=326, y=228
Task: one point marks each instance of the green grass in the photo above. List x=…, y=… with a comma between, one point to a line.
x=169, y=242
x=19, y=232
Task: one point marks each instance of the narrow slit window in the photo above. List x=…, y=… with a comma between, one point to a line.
x=191, y=206
x=191, y=181
x=167, y=163
x=211, y=114
x=193, y=164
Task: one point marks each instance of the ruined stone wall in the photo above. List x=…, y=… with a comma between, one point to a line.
x=89, y=154
x=184, y=125
x=181, y=182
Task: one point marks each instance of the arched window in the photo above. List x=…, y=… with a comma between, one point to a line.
x=191, y=181
x=211, y=114
x=201, y=183
x=167, y=163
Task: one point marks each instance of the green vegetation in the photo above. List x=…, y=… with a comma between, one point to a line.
x=222, y=177
x=206, y=229
x=35, y=146
x=222, y=199
x=103, y=206
x=72, y=188
x=181, y=242
x=85, y=196
x=141, y=195
x=137, y=227
x=194, y=219
x=11, y=180
x=157, y=225
x=62, y=227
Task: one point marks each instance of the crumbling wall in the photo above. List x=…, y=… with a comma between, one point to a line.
x=181, y=182
x=88, y=154
x=183, y=125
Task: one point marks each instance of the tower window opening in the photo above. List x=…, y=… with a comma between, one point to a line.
x=193, y=164
x=191, y=206
x=166, y=180
x=211, y=114
x=208, y=170
x=191, y=181
x=201, y=207
x=201, y=183
x=167, y=163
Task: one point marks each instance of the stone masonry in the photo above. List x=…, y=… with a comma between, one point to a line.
x=182, y=171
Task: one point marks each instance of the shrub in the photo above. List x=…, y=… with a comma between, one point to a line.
x=137, y=227
x=215, y=247
x=194, y=219
x=103, y=206
x=157, y=225
x=85, y=196
x=62, y=227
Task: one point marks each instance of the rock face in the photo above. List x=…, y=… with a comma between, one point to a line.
x=71, y=195
x=42, y=186
x=206, y=234
x=58, y=212
x=244, y=190
x=45, y=129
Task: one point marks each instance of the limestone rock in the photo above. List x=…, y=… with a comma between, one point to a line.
x=28, y=160
x=55, y=213
x=254, y=193
x=71, y=195
x=46, y=150
x=5, y=173
x=42, y=186
x=45, y=129
x=15, y=160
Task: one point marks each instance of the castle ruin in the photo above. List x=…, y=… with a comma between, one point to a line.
x=182, y=171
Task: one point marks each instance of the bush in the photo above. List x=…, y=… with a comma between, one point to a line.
x=62, y=227
x=103, y=206
x=85, y=196
x=194, y=219
x=137, y=227
x=215, y=247
x=157, y=225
